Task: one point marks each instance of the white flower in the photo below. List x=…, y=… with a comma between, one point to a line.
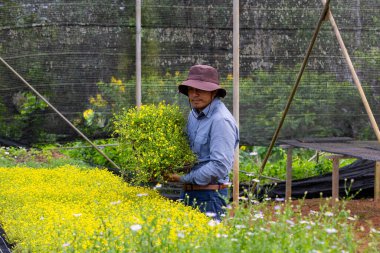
x=375, y=231
x=181, y=235
x=136, y=227
x=66, y=244
x=290, y=222
x=331, y=230
x=243, y=198
x=116, y=202
x=77, y=214
x=158, y=186
x=254, y=153
x=313, y=212
x=279, y=199
x=210, y=214
x=256, y=180
x=351, y=218
x=142, y=194
x=213, y=223
x=329, y=214
x=259, y=215
x=277, y=207
x=240, y=226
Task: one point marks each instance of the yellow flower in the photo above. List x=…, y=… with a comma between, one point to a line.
x=243, y=148
x=88, y=114
x=98, y=101
x=114, y=80
x=229, y=77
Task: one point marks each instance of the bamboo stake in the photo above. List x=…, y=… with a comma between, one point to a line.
x=138, y=53
x=236, y=47
x=60, y=114
x=354, y=75
x=377, y=181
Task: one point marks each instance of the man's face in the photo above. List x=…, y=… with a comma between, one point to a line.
x=200, y=99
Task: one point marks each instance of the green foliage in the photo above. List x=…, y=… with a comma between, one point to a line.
x=82, y=151
x=27, y=103
x=47, y=156
x=26, y=121
x=152, y=141
x=305, y=163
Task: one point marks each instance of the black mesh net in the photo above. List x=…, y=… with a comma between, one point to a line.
x=81, y=56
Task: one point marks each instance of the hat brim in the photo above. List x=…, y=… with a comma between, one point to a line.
x=201, y=85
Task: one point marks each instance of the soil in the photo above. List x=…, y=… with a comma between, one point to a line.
x=367, y=212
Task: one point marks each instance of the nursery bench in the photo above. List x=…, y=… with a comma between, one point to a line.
x=341, y=148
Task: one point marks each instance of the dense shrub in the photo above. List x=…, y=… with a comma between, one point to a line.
x=152, y=141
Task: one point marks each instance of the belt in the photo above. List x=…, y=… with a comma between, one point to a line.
x=194, y=187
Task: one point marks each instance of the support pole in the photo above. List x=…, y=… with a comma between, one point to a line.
x=289, y=169
x=60, y=114
x=335, y=180
x=138, y=53
x=377, y=181
x=236, y=75
x=354, y=75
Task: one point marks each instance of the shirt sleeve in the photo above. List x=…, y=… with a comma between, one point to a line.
x=223, y=140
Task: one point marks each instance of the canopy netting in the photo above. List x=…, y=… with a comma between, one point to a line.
x=81, y=56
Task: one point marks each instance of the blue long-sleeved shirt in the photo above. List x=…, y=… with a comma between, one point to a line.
x=213, y=137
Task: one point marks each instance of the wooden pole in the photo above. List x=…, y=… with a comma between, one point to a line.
x=289, y=169
x=354, y=75
x=335, y=179
x=377, y=181
x=236, y=75
x=138, y=53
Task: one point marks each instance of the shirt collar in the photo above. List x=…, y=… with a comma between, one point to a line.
x=208, y=111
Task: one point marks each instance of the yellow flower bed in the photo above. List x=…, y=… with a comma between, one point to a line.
x=75, y=210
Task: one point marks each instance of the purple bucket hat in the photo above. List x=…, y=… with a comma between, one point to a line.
x=202, y=77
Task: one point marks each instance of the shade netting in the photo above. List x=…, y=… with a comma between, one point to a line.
x=81, y=56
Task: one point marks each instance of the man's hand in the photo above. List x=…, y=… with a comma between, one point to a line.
x=173, y=177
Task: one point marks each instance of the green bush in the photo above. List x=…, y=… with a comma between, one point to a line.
x=152, y=142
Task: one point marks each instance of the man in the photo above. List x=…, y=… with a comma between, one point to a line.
x=213, y=137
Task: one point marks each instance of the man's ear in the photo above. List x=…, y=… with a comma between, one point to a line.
x=214, y=93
